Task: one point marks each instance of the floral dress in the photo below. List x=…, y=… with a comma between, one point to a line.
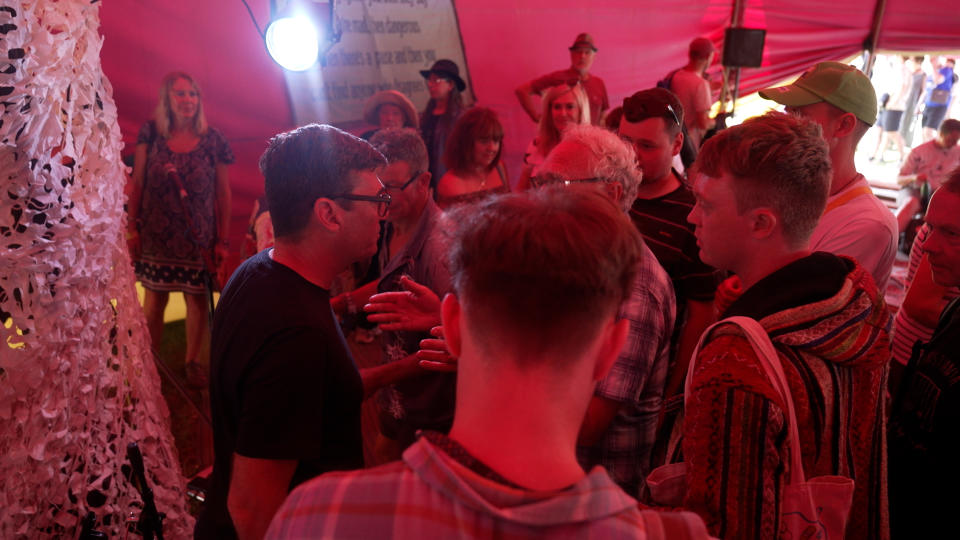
x=171, y=244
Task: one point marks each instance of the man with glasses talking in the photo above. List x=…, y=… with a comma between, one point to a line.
x=285, y=392
x=412, y=261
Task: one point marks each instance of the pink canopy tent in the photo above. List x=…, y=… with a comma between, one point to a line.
x=506, y=43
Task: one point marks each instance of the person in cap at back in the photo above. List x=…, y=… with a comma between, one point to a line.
x=691, y=87
x=538, y=277
x=855, y=223
x=582, y=53
x=445, y=106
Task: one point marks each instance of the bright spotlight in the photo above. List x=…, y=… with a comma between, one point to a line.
x=293, y=42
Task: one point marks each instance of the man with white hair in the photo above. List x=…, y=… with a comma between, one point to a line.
x=620, y=426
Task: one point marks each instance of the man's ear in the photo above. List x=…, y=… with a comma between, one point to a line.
x=327, y=213
x=677, y=143
x=425, y=177
x=844, y=125
x=764, y=222
x=615, y=334
x=616, y=191
x=450, y=312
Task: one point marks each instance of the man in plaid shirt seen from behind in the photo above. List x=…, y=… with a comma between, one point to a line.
x=538, y=279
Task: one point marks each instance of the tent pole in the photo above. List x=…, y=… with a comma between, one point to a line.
x=871, y=43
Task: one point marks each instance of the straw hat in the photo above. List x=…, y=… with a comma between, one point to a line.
x=371, y=109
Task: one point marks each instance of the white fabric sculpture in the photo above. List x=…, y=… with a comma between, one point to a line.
x=77, y=382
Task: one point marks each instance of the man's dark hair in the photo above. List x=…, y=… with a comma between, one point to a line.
x=655, y=103
x=543, y=269
x=402, y=144
x=950, y=125
x=310, y=162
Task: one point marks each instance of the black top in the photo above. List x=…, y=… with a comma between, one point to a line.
x=924, y=436
x=283, y=383
x=663, y=223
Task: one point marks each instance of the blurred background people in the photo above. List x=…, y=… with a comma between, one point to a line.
x=179, y=211
x=582, y=53
x=445, y=106
x=472, y=157
x=563, y=107
x=389, y=109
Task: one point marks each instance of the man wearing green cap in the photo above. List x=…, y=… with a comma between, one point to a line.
x=855, y=223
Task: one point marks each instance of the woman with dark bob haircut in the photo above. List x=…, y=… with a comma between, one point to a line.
x=473, y=159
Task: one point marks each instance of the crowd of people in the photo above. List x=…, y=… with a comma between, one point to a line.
x=613, y=345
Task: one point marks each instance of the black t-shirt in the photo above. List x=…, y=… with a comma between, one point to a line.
x=664, y=226
x=283, y=382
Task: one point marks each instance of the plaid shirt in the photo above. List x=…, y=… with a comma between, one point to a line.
x=433, y=495
x=636, y=379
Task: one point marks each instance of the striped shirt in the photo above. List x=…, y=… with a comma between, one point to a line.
x=663, y=223
x=433, y=495
x=906, y=329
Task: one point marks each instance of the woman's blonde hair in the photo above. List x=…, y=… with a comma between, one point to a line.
x=163, y=114
x=547, y=134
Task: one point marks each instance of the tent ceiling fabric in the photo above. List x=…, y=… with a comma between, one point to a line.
x=506, y=43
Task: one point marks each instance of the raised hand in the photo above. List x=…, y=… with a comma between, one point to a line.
x=414, y=309
x=433, y=354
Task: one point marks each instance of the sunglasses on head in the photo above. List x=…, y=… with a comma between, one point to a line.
x=638, y=109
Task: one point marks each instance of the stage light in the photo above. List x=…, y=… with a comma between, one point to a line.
x=293, y=42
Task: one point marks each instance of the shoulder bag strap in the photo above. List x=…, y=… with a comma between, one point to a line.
x=770, y=361
x=772, y=368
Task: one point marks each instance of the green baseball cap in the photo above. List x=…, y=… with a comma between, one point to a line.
x=845, y=87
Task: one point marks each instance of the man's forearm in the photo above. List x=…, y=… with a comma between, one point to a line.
x=357, y=298
x=525, y=95
x=375, y=378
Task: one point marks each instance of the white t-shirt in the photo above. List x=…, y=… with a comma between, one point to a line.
x=935, y=162
x=693, y=91
x=861, y=227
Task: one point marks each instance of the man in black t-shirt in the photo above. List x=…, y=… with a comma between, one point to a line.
x=285, y=392
x=651, y=122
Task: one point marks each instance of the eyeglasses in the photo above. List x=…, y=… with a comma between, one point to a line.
x=638, y=109
x=405, y=184
x=549, y=179
x=382, y=198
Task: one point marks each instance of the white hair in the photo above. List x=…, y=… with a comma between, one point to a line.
x=589, y=151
